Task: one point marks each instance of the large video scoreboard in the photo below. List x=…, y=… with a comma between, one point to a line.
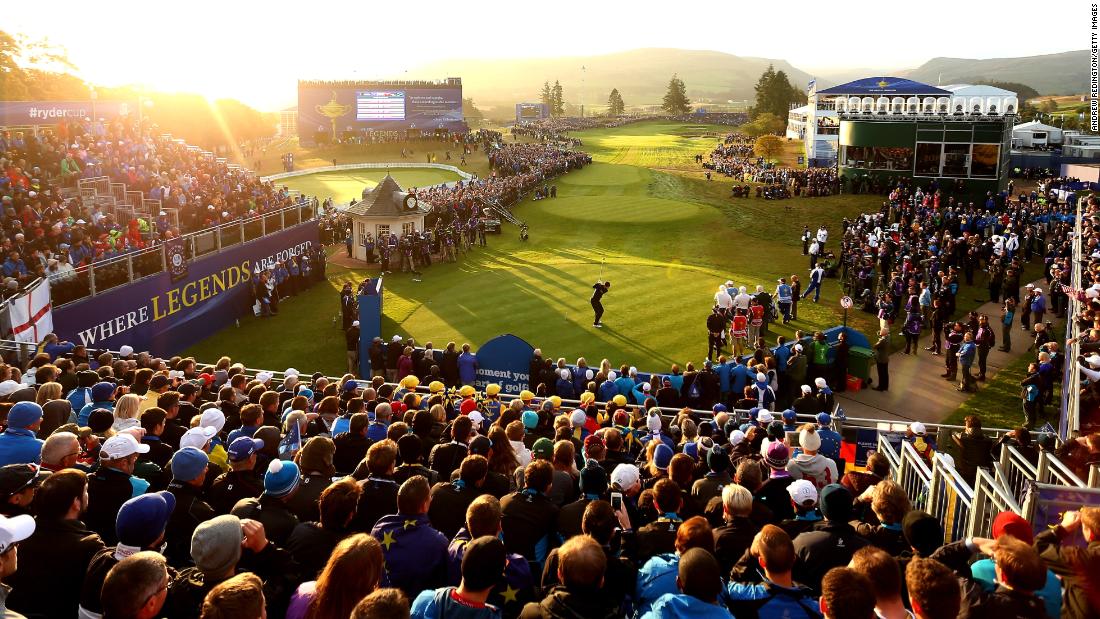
x=328, y=110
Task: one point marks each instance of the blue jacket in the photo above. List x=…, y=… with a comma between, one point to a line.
x=655, y=579
x=681, y=606
x=19, y=446
x=770, y=601
x=467, y=368
x=415, y=554
x=438, y=604
x=607, y=390
x=564, y=389
x=79, y=397
x=518, y=585
x=830, y=443
x=782, y=354
x=739, y=379
x=82, y=416
x=966, y=353
x=723, y=370
x=624, y=384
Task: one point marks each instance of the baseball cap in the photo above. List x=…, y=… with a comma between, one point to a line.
x=824, y=419
x=8, y=387
x=626, y=476
x=125, y=350
x=197, y=437
x=24, y=415
x=121, y=446
x=157, y=382
x=142, y=519
x=801, y=491
x=917, y=428
x=765, y=417
x=15, y=478
x=188, y=463
x=480, y=446
x=543, y=448
x=1011, y=523
x=14, y=530
x=264, y=377
x=212, y=418
x=242, y=447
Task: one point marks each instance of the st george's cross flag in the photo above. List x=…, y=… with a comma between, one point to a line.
x=31, y=314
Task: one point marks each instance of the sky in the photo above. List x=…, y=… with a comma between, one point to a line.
x=255, y=51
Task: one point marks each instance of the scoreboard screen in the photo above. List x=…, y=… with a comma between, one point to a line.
x=374, y=105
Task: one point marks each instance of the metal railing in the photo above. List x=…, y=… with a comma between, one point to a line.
x=1051, y=470
x=1071, y=380
x=990, y=498
x=914, y=476
x=951, y=499
x=1013, y=472
x=886, y=448
x=103, y=275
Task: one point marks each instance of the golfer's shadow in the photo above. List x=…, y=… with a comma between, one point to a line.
x=635, y=345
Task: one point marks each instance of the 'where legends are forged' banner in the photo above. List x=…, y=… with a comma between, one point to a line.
x=165, y=317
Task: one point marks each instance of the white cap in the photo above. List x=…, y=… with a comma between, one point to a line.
x=653, y=422
x=477, y=419
x=820, y=382
x=264, y=377
x=355, y=323
x=125, y=350
x=765, y=417
x=197, y=437
x=291, y=372
x=212, y=418
x=1029, y=286
x=917, y=428
x=626, y=476
x=14, y=530
x=174, y=374
x=578, y=417
x=633, y=370
x=798, y=347
x=120, y=446
x=807, y=389
x=397, y=338
x=646, y=387
x=736, y=437
x=8, y=387
x=802, y=490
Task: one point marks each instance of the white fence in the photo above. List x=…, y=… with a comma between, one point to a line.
x=369, y=166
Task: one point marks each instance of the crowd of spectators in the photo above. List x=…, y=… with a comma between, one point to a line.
x=47, y=230
x=735, y=157
x=166, y=488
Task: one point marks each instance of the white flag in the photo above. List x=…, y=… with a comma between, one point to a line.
x=31, y=314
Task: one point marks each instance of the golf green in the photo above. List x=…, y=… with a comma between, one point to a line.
x=642, y=216
x=342, y=186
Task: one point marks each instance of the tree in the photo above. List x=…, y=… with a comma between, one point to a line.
x=764, y=124
x=768, y=146
x=547, y=96
x=557, y=100
x=470, y=111
x=615, y=105
x=676, y=101
x=774, y=94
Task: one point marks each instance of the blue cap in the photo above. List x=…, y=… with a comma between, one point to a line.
x=351, y=385
x=242, y=447
x=789, y=414
x=24, y=415
x=188, y=463
x=824, y=419
x=142, y=519
x=753, y=412
x=306, y=393
x=531, y=418
x=662, y=456
x=692, y=449
x=281, y=478
x=102, y=392
x=719, y=408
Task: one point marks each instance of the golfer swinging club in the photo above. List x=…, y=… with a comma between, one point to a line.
x=598, y=290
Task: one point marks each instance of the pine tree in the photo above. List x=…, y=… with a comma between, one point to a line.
x=547, y=97
x=615, y=105
x=763, y=90
x=676, y=101
x=557, y=107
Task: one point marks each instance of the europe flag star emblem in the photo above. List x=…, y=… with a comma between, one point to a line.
x=883, y=83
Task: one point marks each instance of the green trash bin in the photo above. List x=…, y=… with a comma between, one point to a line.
x=859, y=362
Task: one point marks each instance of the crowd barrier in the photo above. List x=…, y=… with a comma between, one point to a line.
x=915, y=477
x=1013, y=472
x=1070, y=419
x=950, y=499
x=989, y=499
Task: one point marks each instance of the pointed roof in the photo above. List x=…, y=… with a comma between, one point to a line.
x=386, y=199
x=884, y=86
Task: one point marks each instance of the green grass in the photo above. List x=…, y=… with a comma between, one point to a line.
x=343, y=186
x=667, y=238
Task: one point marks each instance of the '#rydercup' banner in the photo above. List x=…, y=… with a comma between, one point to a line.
x=165, y=317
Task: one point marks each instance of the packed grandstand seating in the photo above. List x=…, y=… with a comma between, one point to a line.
x=734, y=156
x=50, y=230
x=352, y=496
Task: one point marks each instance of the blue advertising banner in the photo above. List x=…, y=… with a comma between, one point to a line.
x=176, y=258
x=14, y=113
x=370, y=322
x=165, y=317
x=1052, y=502
x=506, y=361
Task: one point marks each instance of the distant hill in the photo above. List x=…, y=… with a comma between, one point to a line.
x=1050, y=74
x=641, y=75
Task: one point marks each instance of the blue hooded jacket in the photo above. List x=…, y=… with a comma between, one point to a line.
x=681, y=606
x=655, y=579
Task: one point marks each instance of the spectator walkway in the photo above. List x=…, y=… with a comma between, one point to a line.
x=918, y=392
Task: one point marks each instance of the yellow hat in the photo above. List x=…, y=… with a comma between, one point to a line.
x=466, y=391
x=526, y=395
x=619, y=399
x=588, y=396
x=556, y=401
x=410, y=382
x=492, y=389
x=435, y=386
